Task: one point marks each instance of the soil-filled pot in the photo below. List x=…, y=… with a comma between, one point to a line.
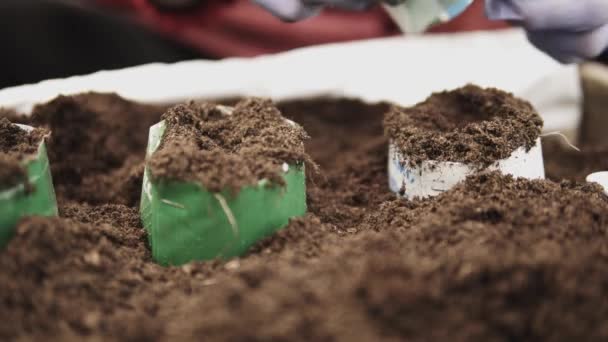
x=218, y=179
x=436, y=144
x=26, y=186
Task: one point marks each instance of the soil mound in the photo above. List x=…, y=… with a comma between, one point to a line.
x=227, y=148
x=16, y=145
x=471, y=125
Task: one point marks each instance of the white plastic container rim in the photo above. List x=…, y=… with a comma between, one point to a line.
x=601, y=178
x=432, y=178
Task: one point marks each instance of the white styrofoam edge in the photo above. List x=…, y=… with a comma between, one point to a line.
x=25, y=127
x=432, y=178
x=154, y=138
x=601, y=178
x=372, y=70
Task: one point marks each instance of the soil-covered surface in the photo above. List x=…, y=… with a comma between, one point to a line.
x=96, y=144
x=11, y=172
x=494, y=259
x=562, y=161
x=472, y=125
x=16, y=145
x=223, y=147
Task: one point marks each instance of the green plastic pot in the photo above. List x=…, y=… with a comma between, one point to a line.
x=36, y=199
x=185, y=222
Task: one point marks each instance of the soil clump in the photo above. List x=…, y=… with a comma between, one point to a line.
x=471, y=125
x=16, y=146
x=223, y=147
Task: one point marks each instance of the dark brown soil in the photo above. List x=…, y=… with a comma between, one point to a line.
x=16, y=142
x=230, y=149
x=12, y=116
x=95, y=147
x=471, y=125
x=11, y=172
x=16, y=145
x=562, y=161
x=494, y=259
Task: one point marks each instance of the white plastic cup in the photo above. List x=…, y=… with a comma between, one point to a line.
x=25, y=128
x=601, y=178
x=432, y=178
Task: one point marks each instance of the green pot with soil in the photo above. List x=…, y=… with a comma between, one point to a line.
x=218, y=179
x=437, y=143
x=26, y=185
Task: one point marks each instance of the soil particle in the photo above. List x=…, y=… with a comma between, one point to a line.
x=493, y=259
x=471, y=125
x=227, y=149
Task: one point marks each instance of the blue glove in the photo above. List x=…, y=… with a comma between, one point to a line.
x=571, y=31
x=292, y=10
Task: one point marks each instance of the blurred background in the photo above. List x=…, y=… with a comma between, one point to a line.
x=45, y=39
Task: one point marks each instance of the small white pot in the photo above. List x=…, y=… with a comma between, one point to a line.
x=432, y=178
x=601, y=178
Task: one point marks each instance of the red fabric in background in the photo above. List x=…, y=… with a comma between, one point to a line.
x=122, y=4
x=240, y=28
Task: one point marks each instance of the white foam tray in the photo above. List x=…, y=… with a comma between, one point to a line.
x=404, y=70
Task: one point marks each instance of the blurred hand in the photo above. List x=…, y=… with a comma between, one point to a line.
x=570, y=31
x=228, y=28
x=292, y=10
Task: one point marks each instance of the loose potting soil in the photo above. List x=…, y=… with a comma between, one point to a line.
x=227, y=148
x=562, y=161
x=494, y=259
x=471, y=125
x=15, y=146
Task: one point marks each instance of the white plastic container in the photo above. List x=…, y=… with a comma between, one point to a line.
x=601, y=178
x=432, y=178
